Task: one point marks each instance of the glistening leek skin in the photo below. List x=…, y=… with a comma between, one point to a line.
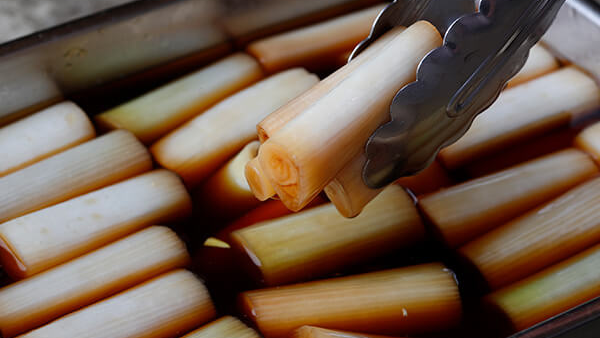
x=550, y=291
x=465, y=211
x=422, y=298
x=539, y=62
x=539, y=238
x=257, y=180
x=307, y=153
x=274, y=121
x=43, y=134
x=550, y=101
x=165, y=306
x=48, y=237
x=154, y=114
x=203, y=144
x=35, y=301
x=227, y=326
x=89, y=166
x=318, y=241
x=316, y=46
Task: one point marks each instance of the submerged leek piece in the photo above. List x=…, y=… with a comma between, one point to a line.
x=589, y=140
x=307, y=153
x=549, y=101
x=37, y=241
x=165, y=306
x=347, y=191
x=274, y=121
x=540, y=62
x=217, y=260
x=422, y=298
x=257, y=180
x=156, y=113
x=308, y=331
x=227, y=326
x=544, y=236
x=553, y=141
x=319, y=241
x=43, y=134
x=102, y=161
x=315, y=46
x=203, y=144
x=551, y=291
x=226, y=191
x=37, y=300
x=470, y=209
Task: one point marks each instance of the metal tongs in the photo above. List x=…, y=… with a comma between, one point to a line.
x=483, y=48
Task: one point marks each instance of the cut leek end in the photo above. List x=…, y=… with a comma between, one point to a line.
x=11, y=262
x=259, y=184
x=284, y=175
x=278, y=165
x=589, y=141
x=336, y=193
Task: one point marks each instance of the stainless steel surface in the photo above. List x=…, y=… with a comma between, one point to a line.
x=114, y=44
x=575, y=35
x=21, y=17
x=455, y=83
x=440, y=13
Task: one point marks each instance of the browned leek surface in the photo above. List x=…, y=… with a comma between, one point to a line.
x=421, y=298
x=470, y=209
x=544, y=236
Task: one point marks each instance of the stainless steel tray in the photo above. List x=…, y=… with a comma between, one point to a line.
x=149, y=41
